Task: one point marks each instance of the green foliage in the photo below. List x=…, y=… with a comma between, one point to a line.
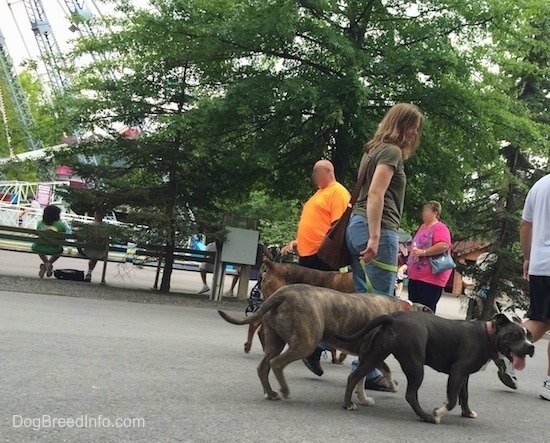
x=238, y=98
x=46, y=128
x=501, y=186
x=278, y=219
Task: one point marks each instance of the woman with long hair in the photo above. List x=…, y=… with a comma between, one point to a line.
x=46, y=247
x=372, y=229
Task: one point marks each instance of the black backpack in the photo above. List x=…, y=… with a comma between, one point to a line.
x=69, y=274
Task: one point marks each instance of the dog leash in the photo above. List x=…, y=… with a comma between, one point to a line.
x=366, y=283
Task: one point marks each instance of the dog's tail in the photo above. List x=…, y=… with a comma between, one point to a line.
x=271, y=303
x=383, y=320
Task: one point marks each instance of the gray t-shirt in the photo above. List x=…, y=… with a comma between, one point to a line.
x=395, y=194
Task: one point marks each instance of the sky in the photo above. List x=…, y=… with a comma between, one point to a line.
x=22, y=45
x=17, y=43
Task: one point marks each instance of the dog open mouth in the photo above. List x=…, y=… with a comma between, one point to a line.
x=518, y=360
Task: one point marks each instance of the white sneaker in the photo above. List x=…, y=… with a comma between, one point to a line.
x=204, y=290
x=507, y=373
x=228, y=293
x=545, y=392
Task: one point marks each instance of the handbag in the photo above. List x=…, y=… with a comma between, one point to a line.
x=442, y=263
x=333, y=250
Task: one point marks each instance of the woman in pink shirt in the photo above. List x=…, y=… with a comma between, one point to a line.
x=433, y=238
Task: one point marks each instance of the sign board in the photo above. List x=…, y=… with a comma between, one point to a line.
x=240, y=246
x=43, y=194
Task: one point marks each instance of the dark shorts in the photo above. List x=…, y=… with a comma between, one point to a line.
x=314, y=262
x=539, y=292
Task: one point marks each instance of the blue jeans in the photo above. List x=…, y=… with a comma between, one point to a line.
x=357, y=236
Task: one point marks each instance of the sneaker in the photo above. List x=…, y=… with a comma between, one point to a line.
x=507, y=373
x=228, y=293
x=42, y=270
x=49, y=270
x=88, y=277
x=313, y=362
x=377, y=383
x=545, y=392
x=203, y=290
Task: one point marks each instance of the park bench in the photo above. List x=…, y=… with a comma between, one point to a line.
x=144, y=252
x=13, y=238
x=18, y=239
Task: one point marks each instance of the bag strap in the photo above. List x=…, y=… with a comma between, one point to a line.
x=359, y=182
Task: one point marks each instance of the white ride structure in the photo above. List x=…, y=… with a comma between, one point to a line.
x=15, y=210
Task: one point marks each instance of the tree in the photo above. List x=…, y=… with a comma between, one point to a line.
x=242, y=95
x=310, y=79
x=525, y=77
x=46, y=128
x=169, y=176
x=278, y=219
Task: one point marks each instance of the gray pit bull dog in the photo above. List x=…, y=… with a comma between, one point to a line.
x=302, y=316
x=455, y=347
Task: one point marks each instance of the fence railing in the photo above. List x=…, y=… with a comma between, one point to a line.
x=26, y=217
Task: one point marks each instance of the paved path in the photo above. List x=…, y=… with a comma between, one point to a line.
x=121, y=275
x=182, y=371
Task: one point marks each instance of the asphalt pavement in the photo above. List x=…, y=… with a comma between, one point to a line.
x=119, y=274
x=86, y=370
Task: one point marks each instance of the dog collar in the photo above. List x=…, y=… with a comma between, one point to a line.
x=490, y=335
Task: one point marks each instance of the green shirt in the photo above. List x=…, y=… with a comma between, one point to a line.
x=394, y=197
x=49, y=244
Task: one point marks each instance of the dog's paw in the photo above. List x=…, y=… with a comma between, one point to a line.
x=350, y=407
x=335, y=361
x=247, y=347
x=273, y=396
x=285, y=393
x=438, y=413
x=367, y=401
x=470, y=414
x=431, y=419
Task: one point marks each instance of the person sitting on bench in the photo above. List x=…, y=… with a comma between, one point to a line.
x=94, y=255
x=46, y=248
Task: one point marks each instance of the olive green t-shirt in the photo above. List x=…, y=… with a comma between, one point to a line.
x=395, y=194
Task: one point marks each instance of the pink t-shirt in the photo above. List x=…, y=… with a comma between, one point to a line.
x=419, y=267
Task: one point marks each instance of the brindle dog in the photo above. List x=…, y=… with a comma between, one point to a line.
x=278, y=275
x=303, y=315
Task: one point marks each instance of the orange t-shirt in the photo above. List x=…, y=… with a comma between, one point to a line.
x=323, y=208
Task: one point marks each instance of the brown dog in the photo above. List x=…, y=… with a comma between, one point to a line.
x=278, y=275
x=303, y=315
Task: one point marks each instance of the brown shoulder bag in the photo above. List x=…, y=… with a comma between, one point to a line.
x=333, y=250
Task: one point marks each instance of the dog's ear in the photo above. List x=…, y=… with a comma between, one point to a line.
x=501, y=320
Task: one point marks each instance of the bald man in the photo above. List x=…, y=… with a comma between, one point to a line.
x=323, y=208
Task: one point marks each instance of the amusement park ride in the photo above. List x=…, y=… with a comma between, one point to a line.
x=79, y=14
